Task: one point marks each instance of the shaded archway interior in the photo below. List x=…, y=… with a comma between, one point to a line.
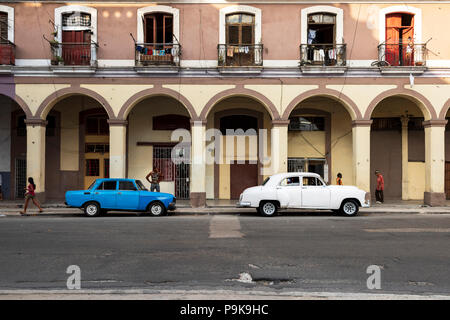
x=386, y=147
x=320, y=139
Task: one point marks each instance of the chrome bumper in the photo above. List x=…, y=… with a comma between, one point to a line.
x=243, y=204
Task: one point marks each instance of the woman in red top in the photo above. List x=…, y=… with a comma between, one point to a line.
x=30, y=194
x=380, y=187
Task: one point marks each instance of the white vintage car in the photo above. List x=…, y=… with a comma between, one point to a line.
x=302, y=190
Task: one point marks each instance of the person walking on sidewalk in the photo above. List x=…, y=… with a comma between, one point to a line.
x=30, y=194
x=380, y=187
x=339, y=179
x=156, y=177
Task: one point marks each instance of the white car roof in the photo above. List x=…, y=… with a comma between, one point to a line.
x=276, y=178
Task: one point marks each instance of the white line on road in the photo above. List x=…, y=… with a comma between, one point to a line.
x=411, y=230
x=225, y=226
x=205, y=295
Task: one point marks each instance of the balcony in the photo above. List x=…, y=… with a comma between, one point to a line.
x=158, y=55
x=242, y=58
x=83, y=56
x=398, y=57
x=322, y=58
x=7, y=53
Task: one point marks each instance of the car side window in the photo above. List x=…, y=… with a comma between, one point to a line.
x=290, y=182
x=107, y=185
x=309, y=181
x=127, y=185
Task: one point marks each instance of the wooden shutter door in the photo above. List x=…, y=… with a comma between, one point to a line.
x=393, y=23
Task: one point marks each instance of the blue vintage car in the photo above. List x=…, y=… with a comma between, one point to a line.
x=120, y=194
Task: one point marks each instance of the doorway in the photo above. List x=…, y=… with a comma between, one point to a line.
x=242, y=176
x=400, y=39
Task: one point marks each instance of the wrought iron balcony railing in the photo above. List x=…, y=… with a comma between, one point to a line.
x=240, y=55
x=74, y=54
x=153, y=54
x=7, y=53
x=400, y=54
x=323, y=54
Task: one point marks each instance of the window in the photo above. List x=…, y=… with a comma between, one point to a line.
x=308, y=165
x=321, y=28
x=307, y=124
x=141, y=185
x=3, y=27
x=158, y=28
x=386, y=124
x=162, y=159
x=108, y=185
x=21, y=127
x=97, y=125
x=127, y=185
x=290, y=182
x=171, y=122
x=399, y=39
x=311, y=181
x=106, y=168
x=96, y=148
x=50, y=128
x=236, y=122
x=240, y=29
x=92, y=167
x=76, y=31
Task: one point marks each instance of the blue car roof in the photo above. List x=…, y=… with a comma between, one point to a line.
x=121, y=179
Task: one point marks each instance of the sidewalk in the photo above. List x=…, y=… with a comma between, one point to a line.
x=12, y=208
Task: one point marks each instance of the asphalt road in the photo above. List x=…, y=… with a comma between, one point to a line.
x=307, y=252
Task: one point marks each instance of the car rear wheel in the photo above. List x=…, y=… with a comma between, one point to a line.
x=268, y=209
x=92, y=209
x=349, y=208
x=156, y=209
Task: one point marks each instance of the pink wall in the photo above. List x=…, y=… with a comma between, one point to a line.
x=199, y=30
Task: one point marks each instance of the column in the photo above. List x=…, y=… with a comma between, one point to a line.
x=361, y=154
x=36, y=155
x=405, y=158
x=198, y=164
x=279, y=146
x=117, y=148
x=434, y=162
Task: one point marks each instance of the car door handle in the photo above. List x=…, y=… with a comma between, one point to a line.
x=96, y=193
x=119, y=192
x=87, y=193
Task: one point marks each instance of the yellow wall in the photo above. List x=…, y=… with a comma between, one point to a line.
x=140, y=129
x=416, y=185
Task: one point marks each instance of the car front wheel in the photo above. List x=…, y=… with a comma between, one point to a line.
x=268, y=209
x=92, y=209
x=156, y=209
x=349, y=208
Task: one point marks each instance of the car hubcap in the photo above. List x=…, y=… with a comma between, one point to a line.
x=349, y=208
x=91, y=210
x=156, y=210
x=269, y=208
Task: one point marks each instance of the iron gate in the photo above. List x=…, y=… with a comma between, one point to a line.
x=176, y=172
x=21, y=178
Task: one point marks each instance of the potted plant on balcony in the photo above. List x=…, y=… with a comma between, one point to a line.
x=60, y=60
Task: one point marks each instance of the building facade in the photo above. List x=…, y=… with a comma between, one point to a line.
x=102, y=88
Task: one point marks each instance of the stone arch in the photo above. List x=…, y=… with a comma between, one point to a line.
x=57, y=96
x=22, y=104
x=423, y=103
x=444, y=110
x=348, y=103
x=156, y=91
x=240, y=92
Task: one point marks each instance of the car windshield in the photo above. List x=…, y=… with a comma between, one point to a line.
x=265, y=181
x=141, y=185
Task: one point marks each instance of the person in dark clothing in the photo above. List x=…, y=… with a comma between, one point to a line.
x=156, y=178
x=380, y=187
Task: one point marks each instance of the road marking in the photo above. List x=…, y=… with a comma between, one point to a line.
x=225, y=227
x=125, y=294
x=410, y=230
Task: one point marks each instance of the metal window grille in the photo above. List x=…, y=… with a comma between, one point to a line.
x=92, y=167
x=21, y=177
x=162, y=159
